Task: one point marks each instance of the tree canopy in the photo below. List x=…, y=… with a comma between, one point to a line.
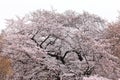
x=47, y=45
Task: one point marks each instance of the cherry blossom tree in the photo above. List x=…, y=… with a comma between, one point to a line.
x=51, y=46
x=113, y=38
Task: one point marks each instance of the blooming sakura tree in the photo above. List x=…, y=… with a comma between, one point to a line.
x=113, y=37
x=46, y=45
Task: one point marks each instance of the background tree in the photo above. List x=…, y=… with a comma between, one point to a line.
x=6, y=70
x=113, y=38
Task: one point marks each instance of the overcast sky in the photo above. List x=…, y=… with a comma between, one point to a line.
x=107, y=9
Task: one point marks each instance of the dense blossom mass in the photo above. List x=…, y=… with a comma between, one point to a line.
x=46, y=45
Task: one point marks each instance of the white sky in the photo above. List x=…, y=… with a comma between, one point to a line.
x=107, y=9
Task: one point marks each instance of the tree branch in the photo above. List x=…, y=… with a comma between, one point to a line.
x=44, y=40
